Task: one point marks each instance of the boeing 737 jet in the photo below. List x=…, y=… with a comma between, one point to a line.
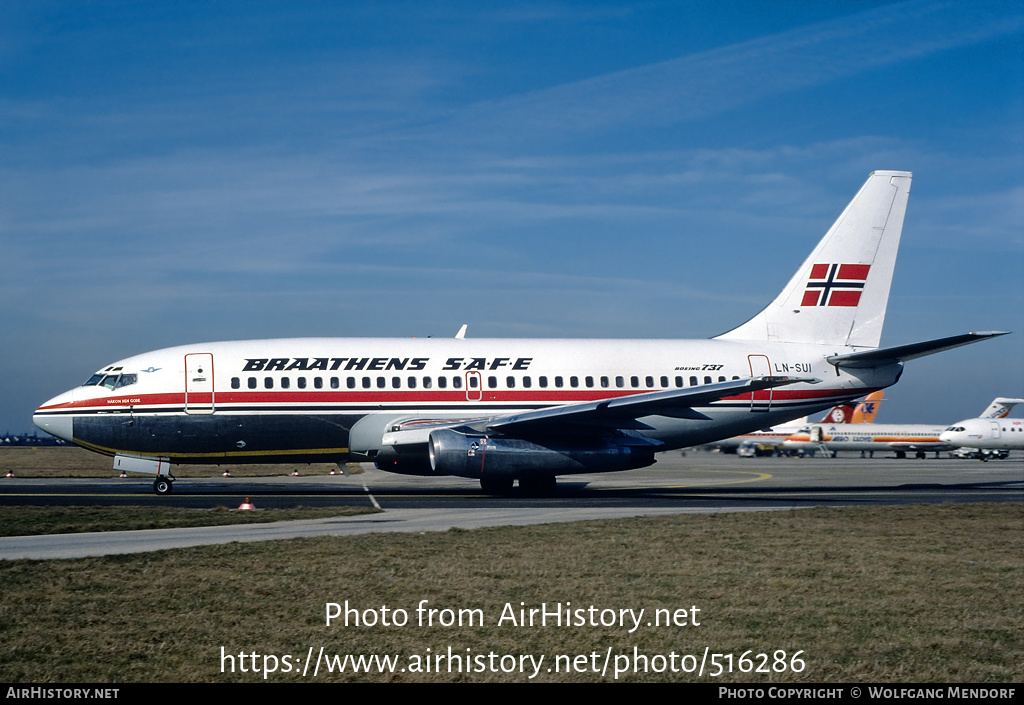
x=506, y=410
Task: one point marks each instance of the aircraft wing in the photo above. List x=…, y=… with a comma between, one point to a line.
x=616, y=412
x=619, y=411
x=902, y=353
x=920, y=445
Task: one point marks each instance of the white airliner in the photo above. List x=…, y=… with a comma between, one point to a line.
x=500, y=410
x=900, y=438
x=987, y=432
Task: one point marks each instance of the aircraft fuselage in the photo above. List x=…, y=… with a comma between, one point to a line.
x=320, y=399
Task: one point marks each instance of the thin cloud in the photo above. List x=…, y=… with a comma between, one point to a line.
x=709, y=83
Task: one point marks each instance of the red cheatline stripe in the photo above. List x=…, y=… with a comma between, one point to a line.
x=412, y=397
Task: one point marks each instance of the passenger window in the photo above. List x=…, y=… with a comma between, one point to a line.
x=604, y=382
x=492, y=382
x=285, y=383
x=318, y=382
x=707, y=380
x=527, y=382
x=693, y=382
x=381, y=383
x=510, y=382
x=396, y=382
x=679, y=382
x=366, y=382
x=664, y=382
x=457, y=382
x=558, y=382
x=236, y=383
x=542, y=381
x=442, y=382
x=268, y=382
x=252, y=383
x=620, y=381
x=301, y=382
x=412, y=382
x=589, y=381
x=574, y=382
x=427, y=383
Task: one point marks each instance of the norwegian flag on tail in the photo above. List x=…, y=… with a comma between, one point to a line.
x=835, y=284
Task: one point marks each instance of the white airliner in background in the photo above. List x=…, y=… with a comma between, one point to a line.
x=900, y=438
x=864, y=412
x=501, y=410
x=988, y=432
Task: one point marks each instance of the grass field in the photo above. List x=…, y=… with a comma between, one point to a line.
x=34, y=521
x=900, y=594
x=71, y=461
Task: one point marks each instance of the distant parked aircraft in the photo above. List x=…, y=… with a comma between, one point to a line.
x=900, y=438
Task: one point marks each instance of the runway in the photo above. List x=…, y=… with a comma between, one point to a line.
x=696, y=483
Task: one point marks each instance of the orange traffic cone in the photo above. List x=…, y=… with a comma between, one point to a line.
x=227, y=473
x=246, y=504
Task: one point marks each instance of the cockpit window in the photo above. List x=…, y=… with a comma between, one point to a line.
x=114, y=381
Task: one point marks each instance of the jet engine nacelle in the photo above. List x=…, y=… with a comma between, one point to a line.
x=482, y=456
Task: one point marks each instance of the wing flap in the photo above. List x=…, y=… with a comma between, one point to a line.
x=620, y=411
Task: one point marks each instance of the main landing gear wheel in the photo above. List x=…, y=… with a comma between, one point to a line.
x=496, y=485
x=538, y=485
x=163, y=485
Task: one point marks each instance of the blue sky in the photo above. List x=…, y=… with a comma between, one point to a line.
x=182, y=172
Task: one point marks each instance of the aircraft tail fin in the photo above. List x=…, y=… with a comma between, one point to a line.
x=839, y=414
x=1000, y=408
x=866, y=410
x=840, y=293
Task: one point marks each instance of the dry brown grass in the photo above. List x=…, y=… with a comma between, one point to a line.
x=898, y=594
x=33, y=521
x=71, y=461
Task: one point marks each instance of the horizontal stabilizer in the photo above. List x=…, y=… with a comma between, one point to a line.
x=902, y=353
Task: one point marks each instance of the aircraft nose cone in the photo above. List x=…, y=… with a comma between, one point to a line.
x=56, y=424
x=59, y=426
